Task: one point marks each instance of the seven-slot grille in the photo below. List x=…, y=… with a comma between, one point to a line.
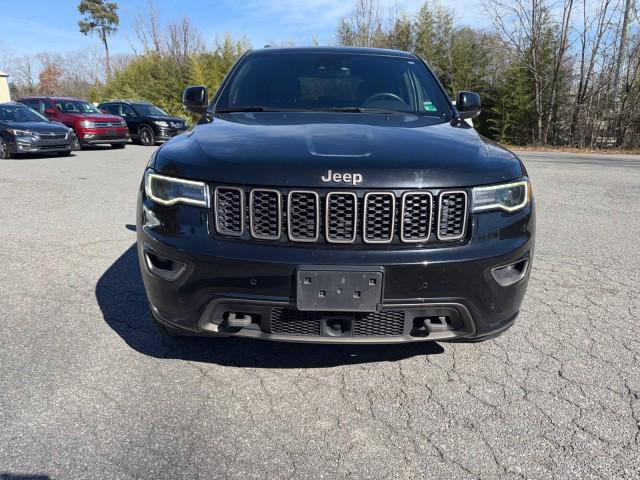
x=340, y=216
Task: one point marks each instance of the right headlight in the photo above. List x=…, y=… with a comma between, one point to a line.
x=21, y=133
x=508, y=197
x=169, y=191
x=87, y=124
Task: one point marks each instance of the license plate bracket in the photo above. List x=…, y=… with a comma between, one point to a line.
x=339, y=289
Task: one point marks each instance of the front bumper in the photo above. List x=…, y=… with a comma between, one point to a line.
x=99, y=138
x=165, y=134
x=38, y=145
x=219, y=277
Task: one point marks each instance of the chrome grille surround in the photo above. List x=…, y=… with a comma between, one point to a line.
x=385, y=226
x=405, y=214
x=336, y=223
x=340, y=216
x=455, y=232
x=258, y=210
x=229, y=222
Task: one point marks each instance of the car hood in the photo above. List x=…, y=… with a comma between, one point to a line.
x=298, y=149
x=97, y=117
x=166, y=119
x=40, y=127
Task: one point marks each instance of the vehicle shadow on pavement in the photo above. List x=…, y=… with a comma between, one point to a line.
x=121, y=297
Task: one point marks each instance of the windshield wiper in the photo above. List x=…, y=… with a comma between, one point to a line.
x=361, y=110
x=255, y=108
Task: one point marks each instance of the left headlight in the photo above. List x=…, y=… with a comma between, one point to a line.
x=161, y=123
x=508, y=197
x=21, y=133
x=169, y=191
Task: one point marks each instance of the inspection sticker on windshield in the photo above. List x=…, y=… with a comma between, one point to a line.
x=429, y=107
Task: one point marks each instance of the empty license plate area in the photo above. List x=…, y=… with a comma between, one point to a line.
x=339, y=289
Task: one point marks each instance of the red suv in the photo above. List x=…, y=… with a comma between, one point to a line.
x=91, y=126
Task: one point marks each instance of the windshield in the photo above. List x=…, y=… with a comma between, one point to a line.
x=19, y=113
x=146, y=110
x=74, y=106
x=333, y=81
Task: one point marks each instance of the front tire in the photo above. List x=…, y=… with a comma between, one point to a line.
x=75, y=143
x=146, y=136
x=5, y=154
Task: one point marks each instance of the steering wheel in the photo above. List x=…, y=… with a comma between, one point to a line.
x=381, y=95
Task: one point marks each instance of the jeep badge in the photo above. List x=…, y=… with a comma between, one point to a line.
x=352, y=178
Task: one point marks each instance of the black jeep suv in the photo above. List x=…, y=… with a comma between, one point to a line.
x=147, y=123
x=334, y=195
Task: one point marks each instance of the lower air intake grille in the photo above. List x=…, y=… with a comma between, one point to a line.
x=452, y=215
x=229, y=210
x=379, y=324
x=288, y=321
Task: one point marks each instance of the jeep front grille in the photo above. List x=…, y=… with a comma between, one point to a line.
x=379, y=217
x=265, y=214
x=341, y=217
x=416, y=216
x=452, y=218
x=303, y=215
x=229, y=210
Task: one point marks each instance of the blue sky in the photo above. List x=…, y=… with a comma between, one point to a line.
x=51, y=25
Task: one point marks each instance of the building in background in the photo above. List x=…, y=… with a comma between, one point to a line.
x=5, y=95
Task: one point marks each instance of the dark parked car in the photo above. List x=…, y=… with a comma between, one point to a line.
x=91, y=126
x=147, y=123
x=334, y=195
x=23, y=130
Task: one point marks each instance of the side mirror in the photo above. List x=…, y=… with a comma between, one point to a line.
x=196, y=100
x=49, y=112
x=468, y=105
x=103, y=110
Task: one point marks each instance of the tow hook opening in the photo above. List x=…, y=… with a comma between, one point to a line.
x=163, y=267
x=510, y=274
x=238, y=320
x=337, y=326
x=423, y=326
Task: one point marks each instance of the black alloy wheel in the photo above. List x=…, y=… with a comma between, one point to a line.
x=146, y=136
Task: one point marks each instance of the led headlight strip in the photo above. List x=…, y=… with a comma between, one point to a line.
x=169, y=191
x=508, y=197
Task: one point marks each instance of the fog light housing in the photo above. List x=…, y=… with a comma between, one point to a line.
x=165, y=268
x=510, y=274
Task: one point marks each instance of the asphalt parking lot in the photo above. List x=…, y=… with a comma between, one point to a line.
x=89, y=389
